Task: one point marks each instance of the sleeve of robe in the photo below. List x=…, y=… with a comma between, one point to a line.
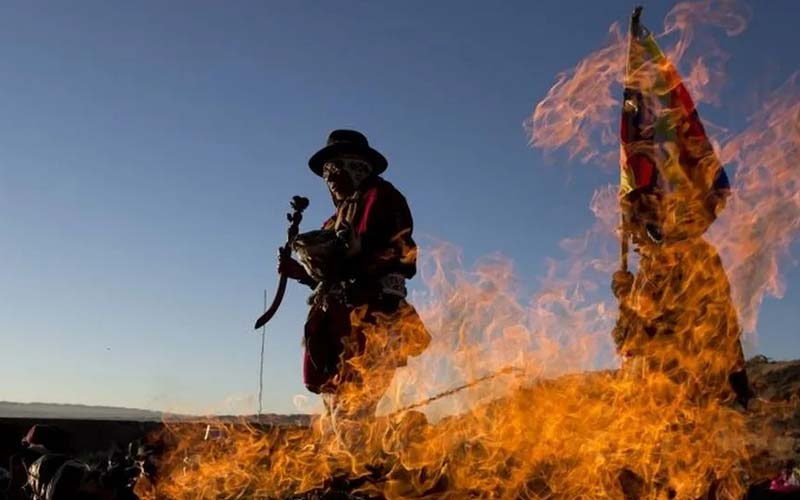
x=385, y=227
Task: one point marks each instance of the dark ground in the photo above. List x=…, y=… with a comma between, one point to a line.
x=86, y=437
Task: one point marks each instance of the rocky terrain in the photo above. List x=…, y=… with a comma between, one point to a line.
x=777, y=413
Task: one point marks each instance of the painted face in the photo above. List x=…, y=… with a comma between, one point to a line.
x=344, y=174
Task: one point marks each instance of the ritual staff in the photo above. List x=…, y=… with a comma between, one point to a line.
x=360, y=328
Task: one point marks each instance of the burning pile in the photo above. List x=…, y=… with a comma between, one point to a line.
x=663, y=426
x=599, y=436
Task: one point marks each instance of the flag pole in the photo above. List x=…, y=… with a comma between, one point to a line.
x=623, y=234
x=623, y=248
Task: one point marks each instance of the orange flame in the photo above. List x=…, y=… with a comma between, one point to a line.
x=581, y=110
x=551, y=435
x=763, y=216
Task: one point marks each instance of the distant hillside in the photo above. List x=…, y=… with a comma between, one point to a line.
x=50, y=411
x=77, y=412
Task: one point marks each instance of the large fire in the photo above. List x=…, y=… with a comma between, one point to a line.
x=561, y=420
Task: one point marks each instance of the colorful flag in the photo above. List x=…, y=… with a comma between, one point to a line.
x=664, y=145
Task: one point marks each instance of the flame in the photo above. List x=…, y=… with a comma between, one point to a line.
x=581, y=110
x=580, y=113
x=541, y=431
x=762, y=218
x=553, y=415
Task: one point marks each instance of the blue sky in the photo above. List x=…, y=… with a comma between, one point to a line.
x=149, y=152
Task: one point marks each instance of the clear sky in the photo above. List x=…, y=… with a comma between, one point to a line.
x=149, y=151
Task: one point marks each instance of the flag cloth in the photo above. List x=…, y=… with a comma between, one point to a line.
x=664, y=145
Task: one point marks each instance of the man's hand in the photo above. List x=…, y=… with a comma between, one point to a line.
x=621, y=283
x=290, y=268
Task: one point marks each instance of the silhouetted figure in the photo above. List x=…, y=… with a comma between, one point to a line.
x=360, y=327
x=46, y=470
x=676, y=314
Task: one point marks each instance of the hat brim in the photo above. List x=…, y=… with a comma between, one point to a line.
x=375, y=159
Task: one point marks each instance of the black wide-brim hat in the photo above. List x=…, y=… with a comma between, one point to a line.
x=347, y=142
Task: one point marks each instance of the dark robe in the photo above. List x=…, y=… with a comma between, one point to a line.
x=371, y=307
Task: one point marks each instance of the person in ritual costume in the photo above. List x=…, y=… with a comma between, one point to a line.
x=676, y=313
x=360, y=328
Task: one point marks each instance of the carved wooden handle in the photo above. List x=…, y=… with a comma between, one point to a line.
x=298, y=204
